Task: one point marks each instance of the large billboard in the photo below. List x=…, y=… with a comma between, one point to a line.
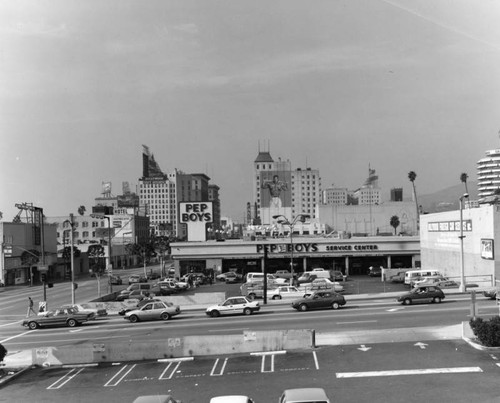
x=276, y=189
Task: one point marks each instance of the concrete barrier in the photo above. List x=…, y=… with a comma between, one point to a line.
x=175, y=347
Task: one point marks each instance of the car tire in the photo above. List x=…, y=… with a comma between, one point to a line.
x=247, y=311
x=303, y=307
x=335, y=305
x=72, y=323
x=437, y=300
x=133, y=319
x=215, y=314
x=33, y=325
x=407, y=301
x=276, y=296
x=165, y=316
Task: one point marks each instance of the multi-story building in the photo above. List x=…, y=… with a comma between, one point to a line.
x=488, y=173
x=279, y=190
x=213, y=196
x=160, y=195
x=337, y=196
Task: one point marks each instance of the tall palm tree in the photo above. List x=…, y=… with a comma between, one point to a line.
x=463, y=178
x=412, y=176
x=395, y=222
x=81, y=210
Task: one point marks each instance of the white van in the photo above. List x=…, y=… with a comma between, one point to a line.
x=309, y=276
x=414, y=275
x=257, y=277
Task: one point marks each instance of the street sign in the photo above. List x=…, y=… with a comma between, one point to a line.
x=43, y=268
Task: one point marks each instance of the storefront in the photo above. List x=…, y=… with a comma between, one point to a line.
x=351, y=256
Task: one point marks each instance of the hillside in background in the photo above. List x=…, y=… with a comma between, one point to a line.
x=446, y=199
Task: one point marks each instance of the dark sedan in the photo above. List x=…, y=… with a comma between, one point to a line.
x=58, y=317
x=422, y=294
x=320, y=300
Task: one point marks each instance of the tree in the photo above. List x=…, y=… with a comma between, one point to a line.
x=82, y=210
x=395, y=222
x=66, y=255
x=96, y=253
x=412, y=176
x=161, y=246
x=463, y=178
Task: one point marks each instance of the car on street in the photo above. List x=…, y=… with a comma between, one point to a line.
x=491, y=293
x=422, y=294
x=115, y=280
x=304, y=395
x=137, y=278
x=232, y=306
x=319, y=300
x=140, y=304
x=448, y=284
x=85, y=308
x=375, y=271
x=153, y=310
x=284, y=291
x=231, y=399
x=58, y=317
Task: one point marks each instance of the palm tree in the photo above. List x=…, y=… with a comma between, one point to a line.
x=412, y=176
x=82, y=210
x=394, y=222
x=463, y=178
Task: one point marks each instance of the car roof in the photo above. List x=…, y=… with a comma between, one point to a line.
x=230, y=399
x=305, y=395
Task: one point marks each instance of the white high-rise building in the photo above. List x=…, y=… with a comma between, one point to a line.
x=488, y=173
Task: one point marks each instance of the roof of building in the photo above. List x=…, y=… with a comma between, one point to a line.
x=264, y=156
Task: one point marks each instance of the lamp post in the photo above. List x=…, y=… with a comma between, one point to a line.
x=72, y=258
x=462, y=236
x=110, y=266
x=283, y=220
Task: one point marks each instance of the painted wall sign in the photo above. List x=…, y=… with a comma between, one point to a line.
x=449, y=226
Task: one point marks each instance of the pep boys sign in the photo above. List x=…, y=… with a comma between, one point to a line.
x=196, y=212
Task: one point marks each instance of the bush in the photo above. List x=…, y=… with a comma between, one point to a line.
x=487, y=332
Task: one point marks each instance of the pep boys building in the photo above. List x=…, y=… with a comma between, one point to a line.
x=352, y=256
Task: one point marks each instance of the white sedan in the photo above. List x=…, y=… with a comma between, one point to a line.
x=285, y=292
x=85, y=308
x=324, y=284
x=233, y=305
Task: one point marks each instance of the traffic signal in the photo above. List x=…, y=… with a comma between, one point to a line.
x=44, y=277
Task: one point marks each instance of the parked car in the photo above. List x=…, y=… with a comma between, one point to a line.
x=255, y=290
x=448, y=284
x=115, y=280
x=304, y=395
x=86, y=308
x=153, y=276
x=156, y=399
x=491, y=293
x=422, y=294
x=173, y=283
x=323, y=284
x=375, y=271
x=319, y=300
x=137, y=294
x=233, y=305
x=153, y=310
x=284, y=291
x=336, y=275
x=58, y=317
x=231, y=399
x=137, y=278
x=283, y=274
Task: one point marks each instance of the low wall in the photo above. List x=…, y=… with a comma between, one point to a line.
x=176, y=347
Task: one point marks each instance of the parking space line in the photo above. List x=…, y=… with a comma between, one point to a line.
x=221, y=372
x=174, y=370
x=409, y=372
x=316, y=363
x=118, y=373
x=65, y=379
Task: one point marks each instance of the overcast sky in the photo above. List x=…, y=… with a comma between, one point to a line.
x=333, y=85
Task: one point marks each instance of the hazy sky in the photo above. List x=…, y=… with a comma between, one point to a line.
x=333, y=85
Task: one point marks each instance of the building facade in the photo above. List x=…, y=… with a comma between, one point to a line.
x=488, y=173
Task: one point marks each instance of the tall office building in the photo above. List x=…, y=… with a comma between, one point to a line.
x=160, y=195
x=488, y=173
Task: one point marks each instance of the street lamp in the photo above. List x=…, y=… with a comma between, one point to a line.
x=283, y=220
x=72, y=258
x=110, y=272
x=462, y=236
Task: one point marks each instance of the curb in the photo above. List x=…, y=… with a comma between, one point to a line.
x=466, y=331
x=6, y=379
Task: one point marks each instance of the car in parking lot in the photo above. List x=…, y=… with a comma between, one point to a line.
x=58, y=317
x=156, y=399
x=153, y=310
x=304, y=395
x=231, y=399
x=336, y=275
x=319, y=300
x=137, y=278
x=285, y=291
x=375, y=271
x=422, y=294
x=233, y=305
x=323, y=284
x=137, y=294
x=491, y=293
x=399, y=277
x=115, y=280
